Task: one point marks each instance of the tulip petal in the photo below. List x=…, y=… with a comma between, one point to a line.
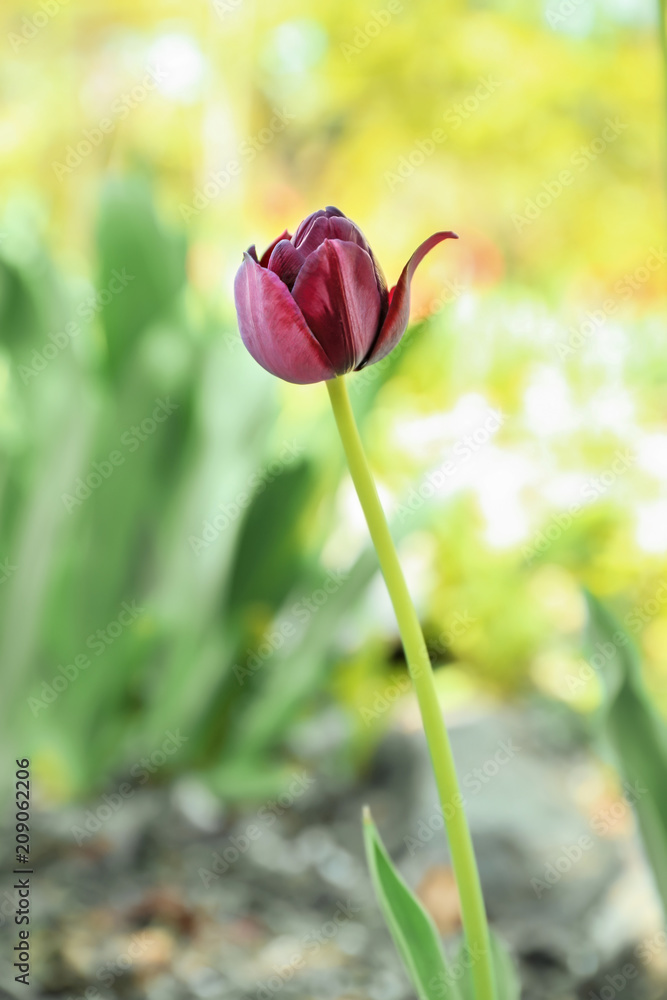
x=314, y=235
x=338, y=295
x=345, y=229
x=321, y=213
x=286, y=262
x=398, y=314
x=273, y=328
x=264, y=259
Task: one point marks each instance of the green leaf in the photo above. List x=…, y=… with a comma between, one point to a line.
x=269, y=551
x=412, y=929
x=508, y=985
x=141, y=265
x=636, y=733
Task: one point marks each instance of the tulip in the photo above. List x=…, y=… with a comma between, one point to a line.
x=315, y=305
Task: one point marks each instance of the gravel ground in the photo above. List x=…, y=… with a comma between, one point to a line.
x=175, y=898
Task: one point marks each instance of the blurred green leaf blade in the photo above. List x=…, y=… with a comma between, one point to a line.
x=638, y=736
x=141, y=265
x=412, y=929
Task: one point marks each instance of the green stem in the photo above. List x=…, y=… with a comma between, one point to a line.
x=460, y=842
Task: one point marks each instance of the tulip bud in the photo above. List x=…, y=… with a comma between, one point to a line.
x=316, y=305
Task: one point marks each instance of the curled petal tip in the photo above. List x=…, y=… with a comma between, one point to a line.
x=398, y=313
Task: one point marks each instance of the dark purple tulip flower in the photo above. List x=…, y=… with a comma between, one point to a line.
x=315, y=305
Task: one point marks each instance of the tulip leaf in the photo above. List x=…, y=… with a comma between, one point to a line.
x=508, y=985
x=141, y=265
x=411, y=927
x=269, y=555
x=637, y=735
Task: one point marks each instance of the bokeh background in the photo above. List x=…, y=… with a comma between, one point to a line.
x=181, y=550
